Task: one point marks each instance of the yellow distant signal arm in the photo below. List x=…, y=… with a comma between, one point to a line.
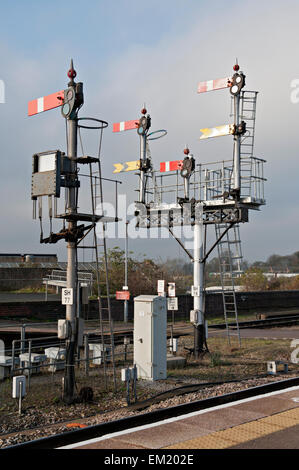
x=218, y=131
x=127, y=166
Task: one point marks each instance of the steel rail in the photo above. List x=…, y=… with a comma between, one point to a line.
x=99, y=430
x=278, y=321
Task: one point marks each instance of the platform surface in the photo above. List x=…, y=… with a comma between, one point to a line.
x=270, y=421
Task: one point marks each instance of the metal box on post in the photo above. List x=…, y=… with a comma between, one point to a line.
x=150, y=336
x=18, y=386
x=46, y=174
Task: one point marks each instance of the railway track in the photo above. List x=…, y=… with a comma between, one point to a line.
x=285, y=320
x=91, y=432
x=185, y=327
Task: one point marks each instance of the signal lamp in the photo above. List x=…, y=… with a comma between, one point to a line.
x=238, y=82
x=69, y=102
x=187, y=167
x=144, y=125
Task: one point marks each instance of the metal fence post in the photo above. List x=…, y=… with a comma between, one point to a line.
x=86, y=354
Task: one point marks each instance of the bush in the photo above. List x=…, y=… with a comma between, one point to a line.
x=254, y=280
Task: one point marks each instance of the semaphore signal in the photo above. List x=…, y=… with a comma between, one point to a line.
x=189, y=192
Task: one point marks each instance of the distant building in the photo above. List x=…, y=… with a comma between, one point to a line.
x=31, y=258
x=273, y=275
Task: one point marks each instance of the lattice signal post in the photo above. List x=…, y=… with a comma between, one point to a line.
x=219, y=193
x=52, y=171
x=144, y=164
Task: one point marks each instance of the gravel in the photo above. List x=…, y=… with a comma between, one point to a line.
x=35, y=424
x=40, y=420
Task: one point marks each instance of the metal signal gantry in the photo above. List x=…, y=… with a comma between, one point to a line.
x=219, y=193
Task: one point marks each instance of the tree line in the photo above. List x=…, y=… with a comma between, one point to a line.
x=144, y=273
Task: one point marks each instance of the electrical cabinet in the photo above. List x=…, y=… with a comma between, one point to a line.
x=46, y=174
x=56, y=356
x=150, y=337
x=18, y=386
x=98, y=353
x=63, y=330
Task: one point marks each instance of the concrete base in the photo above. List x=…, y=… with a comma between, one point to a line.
x=175, y=362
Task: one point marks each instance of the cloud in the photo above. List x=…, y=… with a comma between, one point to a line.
x=163, y=73
x=165, y=77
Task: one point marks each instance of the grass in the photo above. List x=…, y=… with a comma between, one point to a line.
x=30, y=290
x=230, y=362
x=241, y=317
x=223, y=362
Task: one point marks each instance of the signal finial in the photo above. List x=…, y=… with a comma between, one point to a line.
x=72, y=72
x=236, y=67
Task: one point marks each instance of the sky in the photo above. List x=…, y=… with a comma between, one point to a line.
x=128, y=54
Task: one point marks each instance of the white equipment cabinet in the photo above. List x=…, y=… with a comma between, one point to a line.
x=97, y=353
x=18, y=386
x=150, y=337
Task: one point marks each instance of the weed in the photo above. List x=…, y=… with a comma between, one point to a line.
x=215, y=359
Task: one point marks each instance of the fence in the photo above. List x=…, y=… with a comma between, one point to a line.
x=42, y=360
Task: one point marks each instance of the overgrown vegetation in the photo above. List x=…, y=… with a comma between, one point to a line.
x=254, y=280
x=143, y=273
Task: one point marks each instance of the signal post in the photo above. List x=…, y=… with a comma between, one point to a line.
x=69, y=111
x=51, y=171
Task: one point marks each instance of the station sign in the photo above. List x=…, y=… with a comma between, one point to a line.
x=67, y=296
x=122, y=295
x=171, y=289
x=161, y=287
x=172, y=303
x=195, y=291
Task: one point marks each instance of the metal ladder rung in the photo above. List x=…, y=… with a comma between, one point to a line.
x=231, y=242
x=100, y=250
x=226, y=260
